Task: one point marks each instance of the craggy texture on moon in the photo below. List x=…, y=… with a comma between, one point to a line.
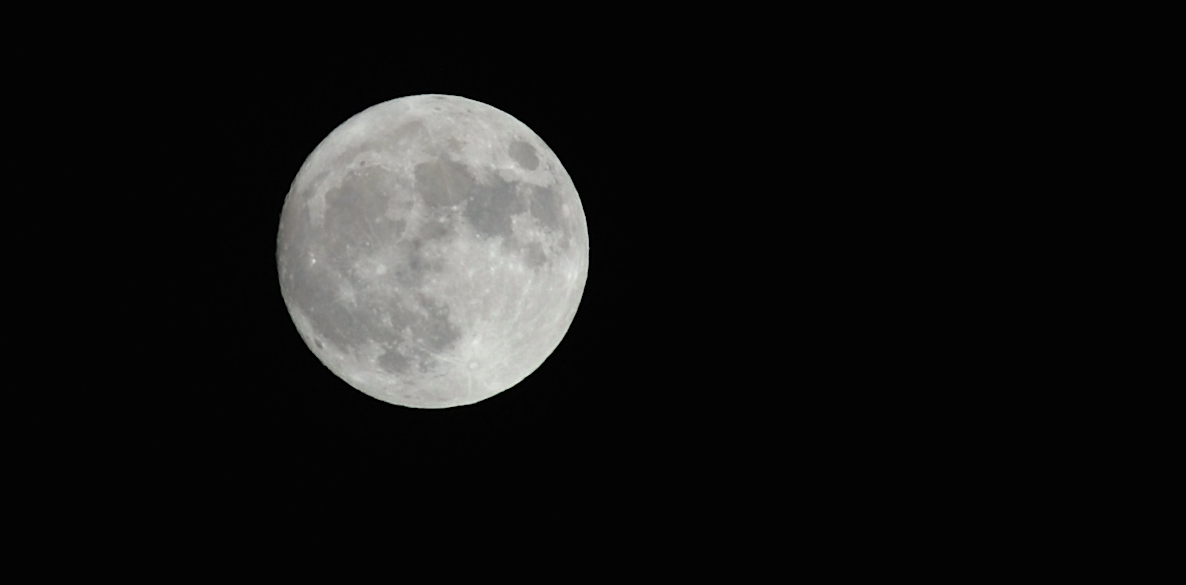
x=432, y=251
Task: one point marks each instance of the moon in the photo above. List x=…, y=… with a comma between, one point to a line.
x=432, y=251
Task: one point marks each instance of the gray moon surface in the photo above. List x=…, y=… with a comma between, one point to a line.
x=432, y=251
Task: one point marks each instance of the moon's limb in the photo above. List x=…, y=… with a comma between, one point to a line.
x=432, y=251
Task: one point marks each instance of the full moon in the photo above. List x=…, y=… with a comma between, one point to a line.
x=432, y=251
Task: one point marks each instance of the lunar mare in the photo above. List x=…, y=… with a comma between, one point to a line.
x=432, y=251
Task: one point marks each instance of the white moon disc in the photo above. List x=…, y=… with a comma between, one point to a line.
x=432, y=251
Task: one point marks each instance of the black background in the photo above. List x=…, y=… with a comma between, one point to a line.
x=782, y=319
x=770, y=330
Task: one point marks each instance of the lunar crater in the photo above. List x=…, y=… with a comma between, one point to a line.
x=524, y=154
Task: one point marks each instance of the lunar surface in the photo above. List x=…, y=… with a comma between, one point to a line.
x=432, y=251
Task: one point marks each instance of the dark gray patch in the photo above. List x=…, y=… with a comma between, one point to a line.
x=491, y=206
x=355, y=214
x=417, y=261
x=545, y=206
x=314, y=291
x=394, y=362
x=534, y=256
x=443, y=182
x=524, y=154
x=435, y=331
x=405, y=131
x=437, y=228
x=415, y=250
x=431, y=333
x=412, y=271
